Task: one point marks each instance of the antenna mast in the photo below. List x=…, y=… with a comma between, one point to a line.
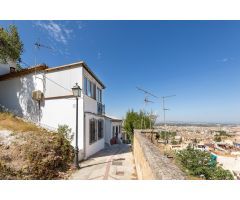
x=146, y=101
x=38, y=46
x=164, y=109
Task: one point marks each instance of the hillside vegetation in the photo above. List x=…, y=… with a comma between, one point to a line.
x=30, y=152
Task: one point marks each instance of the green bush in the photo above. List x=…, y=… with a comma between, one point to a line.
x=65, y=131
x=199, y=163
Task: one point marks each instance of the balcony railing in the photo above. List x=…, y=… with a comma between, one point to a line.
x=100, y=108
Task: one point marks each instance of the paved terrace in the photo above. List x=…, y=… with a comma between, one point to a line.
x=113, y=163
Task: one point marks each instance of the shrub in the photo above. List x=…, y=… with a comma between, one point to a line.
x=47, y=156
x=34, y=153
x=65, y=131
x=200, y=163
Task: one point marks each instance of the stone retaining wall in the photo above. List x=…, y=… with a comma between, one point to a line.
x=150, y=163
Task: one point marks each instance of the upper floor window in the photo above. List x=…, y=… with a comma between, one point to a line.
x=89, y=88
x=85, y=85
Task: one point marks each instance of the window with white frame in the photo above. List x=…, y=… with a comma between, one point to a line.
x=90, y=88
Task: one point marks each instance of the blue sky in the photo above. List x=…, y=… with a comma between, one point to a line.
x=199, y=61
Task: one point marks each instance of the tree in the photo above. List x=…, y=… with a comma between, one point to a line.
x=134, y=120
x=11, y=46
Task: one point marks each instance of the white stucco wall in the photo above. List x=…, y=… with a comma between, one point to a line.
x=4, y=69
x=108, y=130
x=63, y=112
x=90, y=104
x=16, y=95
x=59, y=83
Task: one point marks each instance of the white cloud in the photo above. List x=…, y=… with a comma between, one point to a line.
x=56, y=31
x=223, y=60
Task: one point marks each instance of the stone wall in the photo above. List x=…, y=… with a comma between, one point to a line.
x=150, y=163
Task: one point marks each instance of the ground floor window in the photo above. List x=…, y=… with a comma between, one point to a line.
x=95, y=130
x=92, y=131
x=100, y=128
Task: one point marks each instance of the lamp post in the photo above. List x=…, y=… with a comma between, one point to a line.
x=76, y=90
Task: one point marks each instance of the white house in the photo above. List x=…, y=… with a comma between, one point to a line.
x=58, y=106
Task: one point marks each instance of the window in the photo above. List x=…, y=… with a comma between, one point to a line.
x=116, y=129
x=92, y=131
x=85, y=85
x=93, y=90
x=89, y=88
x=100, y=128
x=99, y=95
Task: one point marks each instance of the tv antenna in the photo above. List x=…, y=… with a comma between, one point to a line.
x=146, y=92
x=39, y=46
x=164, y=109
x=146, y=101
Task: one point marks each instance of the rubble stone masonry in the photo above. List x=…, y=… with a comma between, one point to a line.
x=150, y=163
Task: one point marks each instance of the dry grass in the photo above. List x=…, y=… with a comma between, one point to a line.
x=12, y=123
x=35, y=153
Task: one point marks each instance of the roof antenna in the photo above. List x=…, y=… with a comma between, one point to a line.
x=39, y=46
x=146, y=101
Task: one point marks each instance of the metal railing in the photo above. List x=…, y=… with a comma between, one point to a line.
x=100, y=108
